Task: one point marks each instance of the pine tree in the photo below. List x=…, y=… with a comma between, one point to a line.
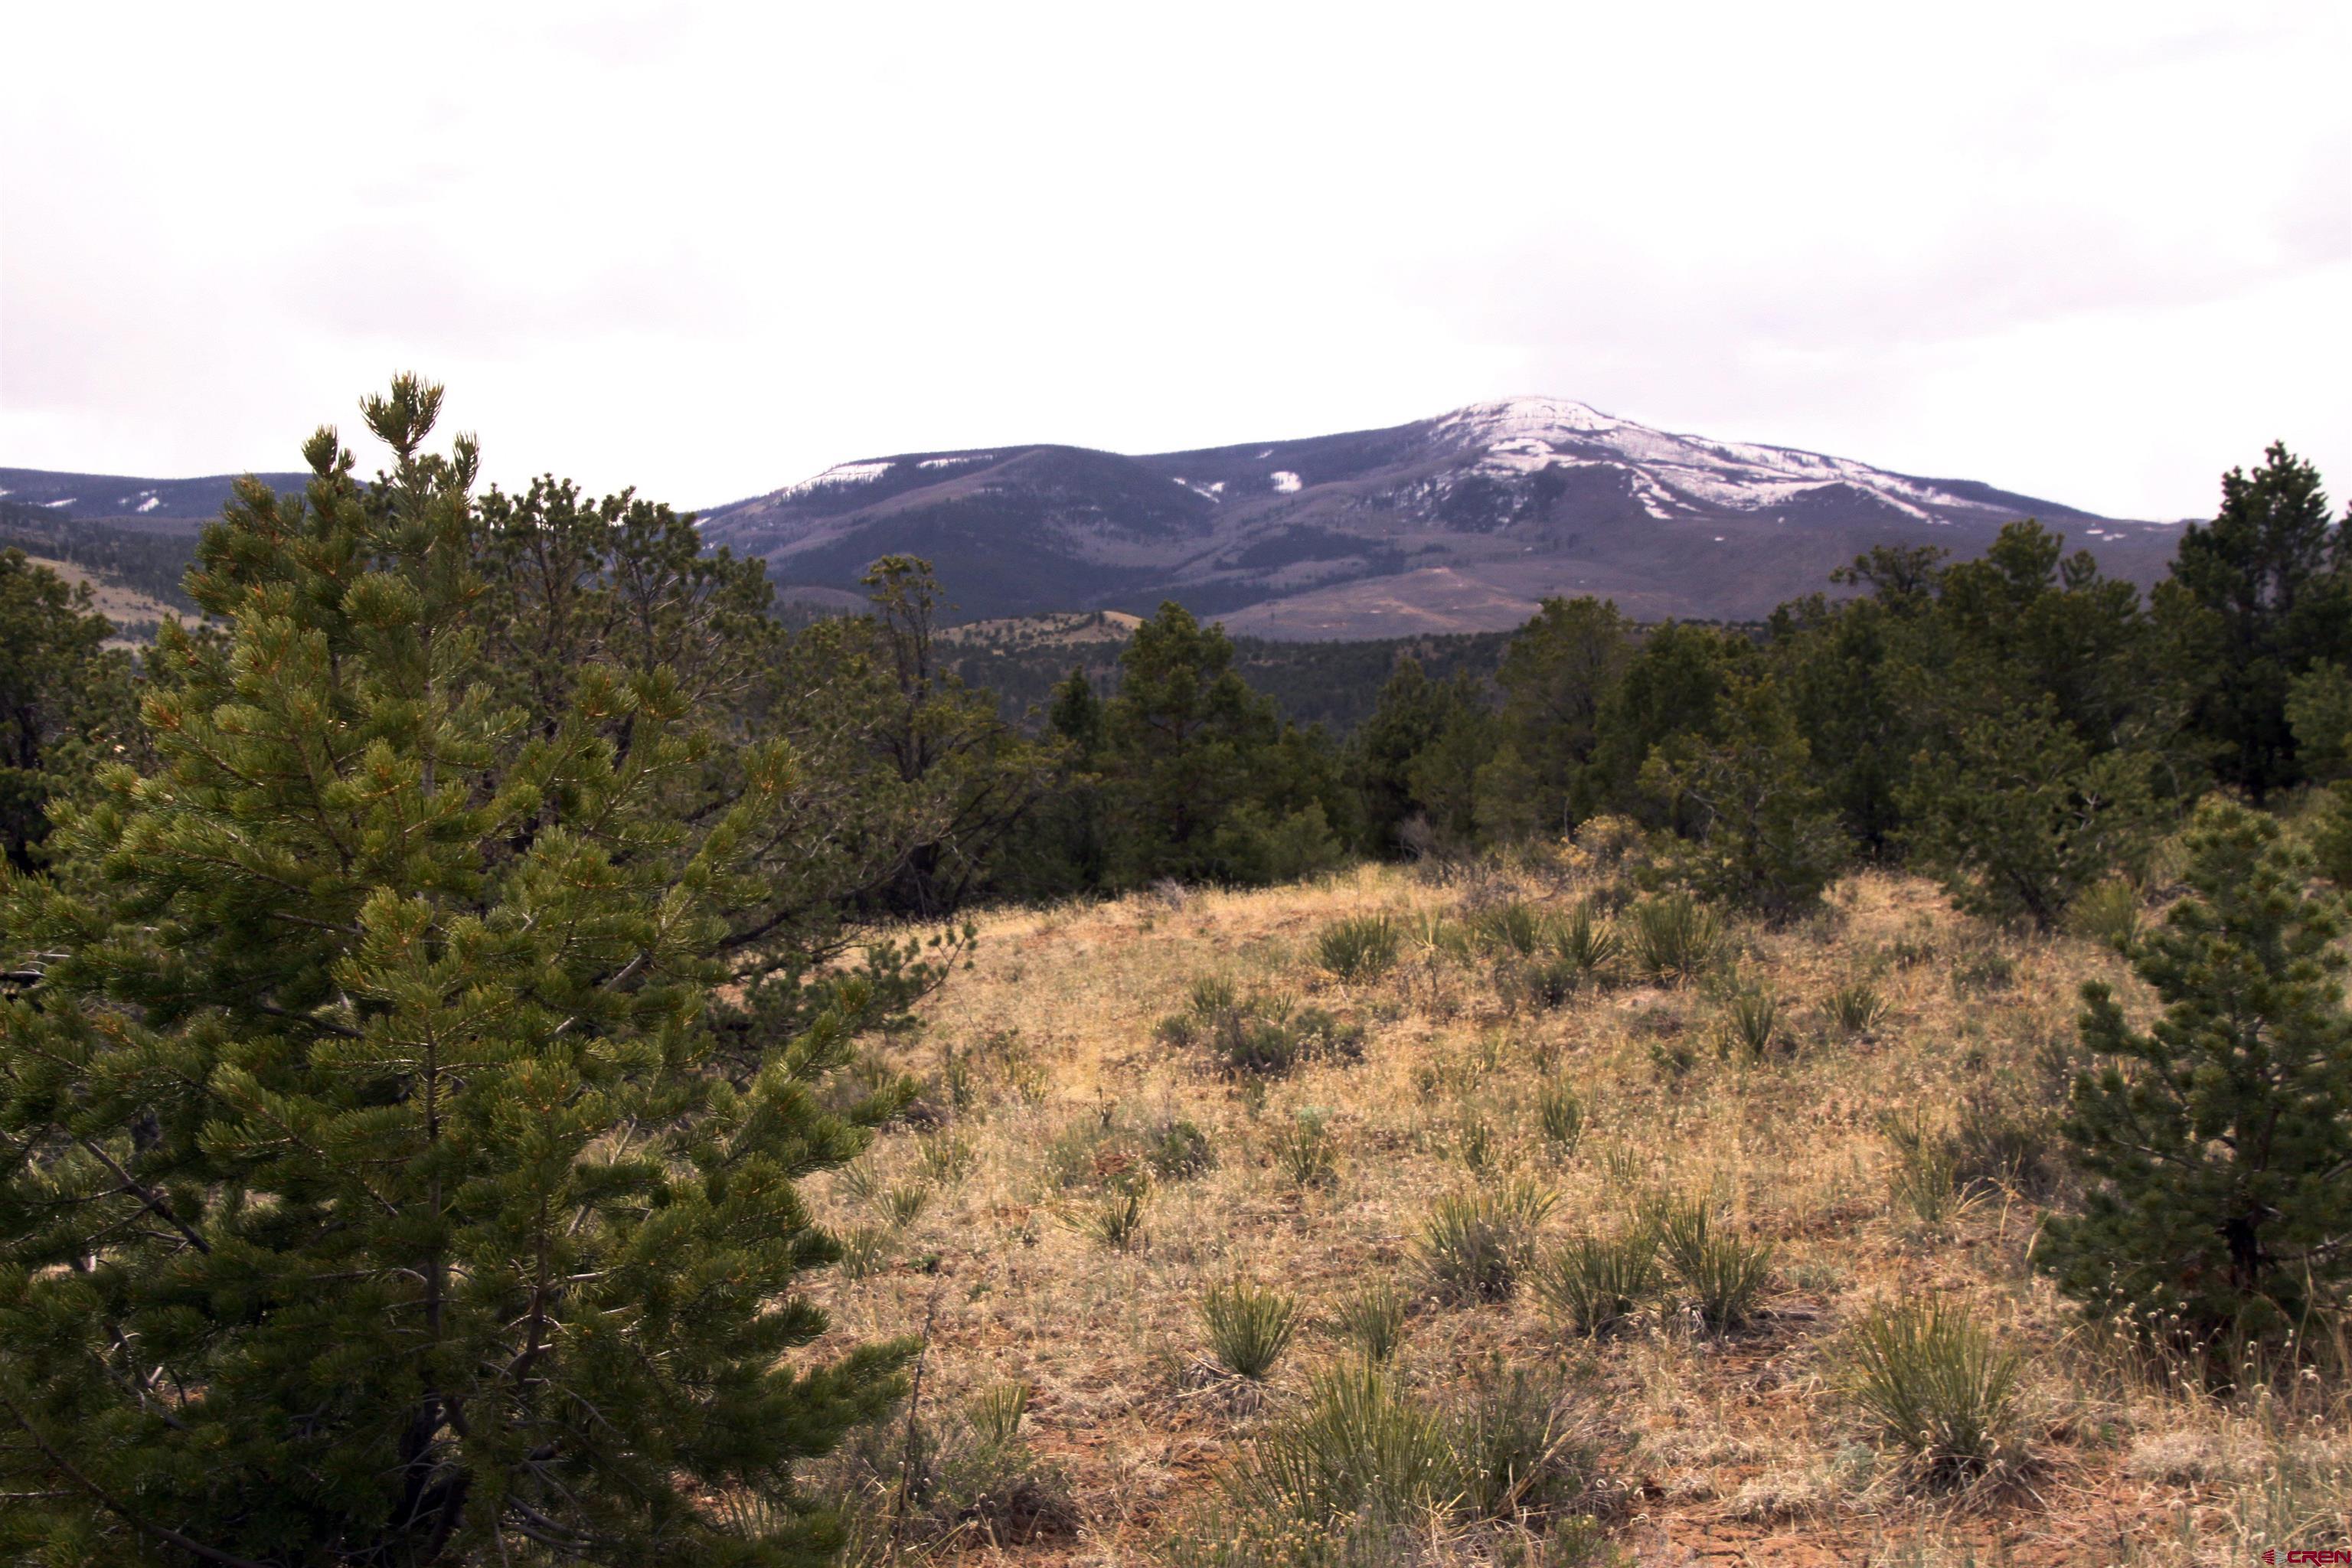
x=2255, y=598
x=1202, y=780
x=2220, y=1137
x=52, y=695
x=1405, y=721
x=2019, y=816
x=1671, y=688
x=1556, y=674
x=1766, y=837
x=375, y=1189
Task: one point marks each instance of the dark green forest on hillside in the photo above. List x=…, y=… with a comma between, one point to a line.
x=429, y=977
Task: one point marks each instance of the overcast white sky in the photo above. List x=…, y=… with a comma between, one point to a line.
x=2094, y=252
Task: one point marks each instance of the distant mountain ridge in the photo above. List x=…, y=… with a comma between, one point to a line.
x=167, y=505
x=1457, y=524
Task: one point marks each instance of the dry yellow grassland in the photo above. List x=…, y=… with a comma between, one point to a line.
x=1735, y=1448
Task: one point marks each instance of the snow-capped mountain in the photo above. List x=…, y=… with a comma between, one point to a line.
x=1454, y=524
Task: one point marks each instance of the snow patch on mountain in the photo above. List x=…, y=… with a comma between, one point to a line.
x=951, y=462
x=1521, y=436
x=839, y=474
x=1285, y=482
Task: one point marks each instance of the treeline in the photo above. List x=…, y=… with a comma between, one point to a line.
x=2017, y=725
x=1333, y=684
x=155, y=564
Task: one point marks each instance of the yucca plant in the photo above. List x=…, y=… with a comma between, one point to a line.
x=1676, y=938
x=903, y=1202
x=1373, y=1319
x=1723, y=1274
x=1622, y=1164
x=1937, y=1381
x=1560, y=1113
x=1476, y=1245
x=1513, y=927
x=1442, y=938
x=1597, y=1282
x=1927, y=1176
x=943, y=1158
x=1306, y=1150
x=1516, y=1449
x=1362, y=1448
x=1751, y=1025
x=1588, y=943
x=1249, y=1327
x=2107, y=913
x=1856, y=1008
x=1360, y=947
x=994, y=1414
x=864, y=1250
x=1116, y=1219
x=1473, y=1140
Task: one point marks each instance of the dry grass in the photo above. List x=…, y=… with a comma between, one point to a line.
x=1736, y=1445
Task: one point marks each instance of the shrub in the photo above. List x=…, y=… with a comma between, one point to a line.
x=1560, y=1113
x=1725, y=1274
x=1249, y=1328
x=1476, y=1244
x=1856, y=1008
x=1543, y=982
x=1258, y=1036
x=2221, y=1140
x=1373, y=1321
x=1595, y=1283
x=1675, y=937
x=1306, y=1150
x=1361, y=947
x=1935, y=1381
x=1767, y=838
x=2019, y=816
x=1178, y=1151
